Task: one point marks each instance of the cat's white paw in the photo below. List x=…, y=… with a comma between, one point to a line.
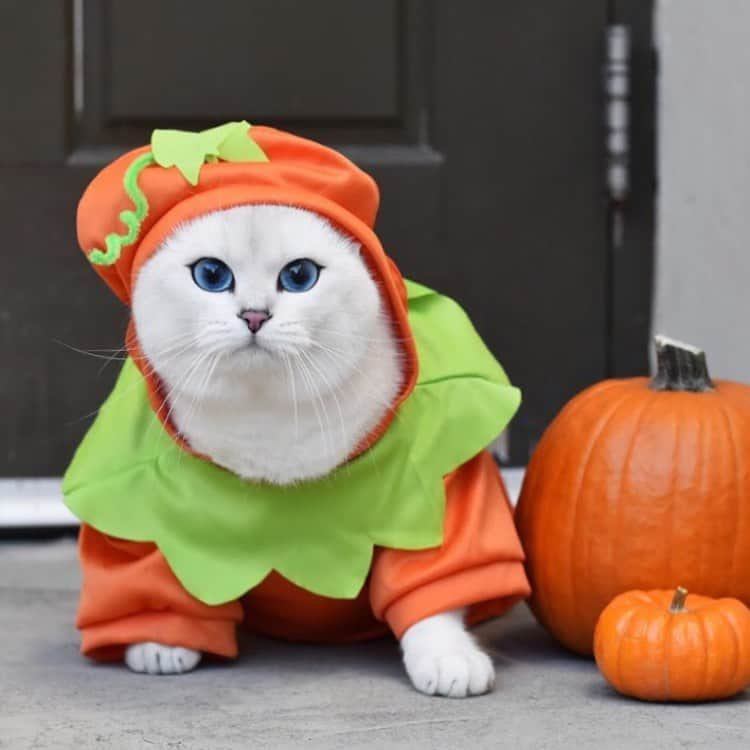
x=456, y=673
x=441, y=658
x=153, y=658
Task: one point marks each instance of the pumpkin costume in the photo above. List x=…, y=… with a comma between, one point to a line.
x=177, y=550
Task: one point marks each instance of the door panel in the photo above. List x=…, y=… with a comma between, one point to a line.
x=343, y=71
x=173, y=75
x=34, y=82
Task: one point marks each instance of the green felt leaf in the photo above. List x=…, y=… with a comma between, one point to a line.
x=222, y=536
x=190, y=151
x=238, y=146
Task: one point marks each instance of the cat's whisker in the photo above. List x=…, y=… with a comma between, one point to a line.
x=331, y=389
x=371, y=394
x=360, y=337
x=339, y=357
x=315, y=396
x=97, y=353
x=148, y=369
x=356, y=336
x=105, y=349
x=87, y=353
x=179, y=345
x=197, y=401
x=184, y=380
x=293, y=387
x=318, y=399
x=117, y=352
x=205, y=384
x=181, y=383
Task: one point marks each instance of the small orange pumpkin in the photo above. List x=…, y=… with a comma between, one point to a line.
x=690, y=649
x=638, y=484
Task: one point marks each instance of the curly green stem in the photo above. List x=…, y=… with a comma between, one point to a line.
x=132, y=219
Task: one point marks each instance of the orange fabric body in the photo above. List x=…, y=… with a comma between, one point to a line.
x=129, y=594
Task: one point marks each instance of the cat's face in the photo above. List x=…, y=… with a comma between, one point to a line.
x=245, y=292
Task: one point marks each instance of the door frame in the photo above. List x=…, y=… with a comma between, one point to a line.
x=631, y=261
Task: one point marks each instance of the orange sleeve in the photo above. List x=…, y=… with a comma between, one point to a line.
x=479, y=565
x=129, y=594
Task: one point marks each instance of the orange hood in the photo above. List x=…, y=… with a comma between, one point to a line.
x=130, y=209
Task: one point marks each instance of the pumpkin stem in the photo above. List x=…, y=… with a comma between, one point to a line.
x=680, y=367
x=678, y=600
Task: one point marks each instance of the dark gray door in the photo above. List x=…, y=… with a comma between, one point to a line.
x=481, y=120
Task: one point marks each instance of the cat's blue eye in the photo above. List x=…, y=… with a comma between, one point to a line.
x=213, y=275
x=299, y=275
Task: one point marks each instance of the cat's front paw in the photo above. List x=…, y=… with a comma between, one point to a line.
x=456, y=674
x=153, y=658
x=442, y=659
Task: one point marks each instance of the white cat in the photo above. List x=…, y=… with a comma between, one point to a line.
x=309, y=377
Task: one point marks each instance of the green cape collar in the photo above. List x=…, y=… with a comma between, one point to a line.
x=222, y=535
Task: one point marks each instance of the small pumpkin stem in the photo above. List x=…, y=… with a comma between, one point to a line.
x=680, y=367
x=678, y=600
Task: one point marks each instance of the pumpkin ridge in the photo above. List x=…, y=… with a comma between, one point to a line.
x=705, y=651
x=737, y=499
x=533, y=523
x=722, y=673
x=725, y=387
x=647, y=597
x=723, y=430
x=579, y=402
x=615, y=538
x=667, y=656
x=576, y=406
x=612, y=567
x=670, y=521
x=701, y=472
x=732, y=625
x=580, y=483
x=630, y=615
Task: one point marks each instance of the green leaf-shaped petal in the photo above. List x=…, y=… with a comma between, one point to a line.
x=239, y=146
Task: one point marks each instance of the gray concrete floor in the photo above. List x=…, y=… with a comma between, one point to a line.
x=283, y=695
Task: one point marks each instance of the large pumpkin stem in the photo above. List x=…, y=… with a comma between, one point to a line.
x=680, y=367
x=678, y=600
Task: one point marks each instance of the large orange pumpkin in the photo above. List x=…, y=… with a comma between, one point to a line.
x=639, y=484
x=666, y=646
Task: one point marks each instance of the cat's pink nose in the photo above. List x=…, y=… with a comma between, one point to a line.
x=255, y=318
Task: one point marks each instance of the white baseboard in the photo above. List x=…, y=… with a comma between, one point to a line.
x=37, y=503
x=33, y=503
x=513, y=480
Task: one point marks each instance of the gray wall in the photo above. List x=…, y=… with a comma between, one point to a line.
x=703, y=235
